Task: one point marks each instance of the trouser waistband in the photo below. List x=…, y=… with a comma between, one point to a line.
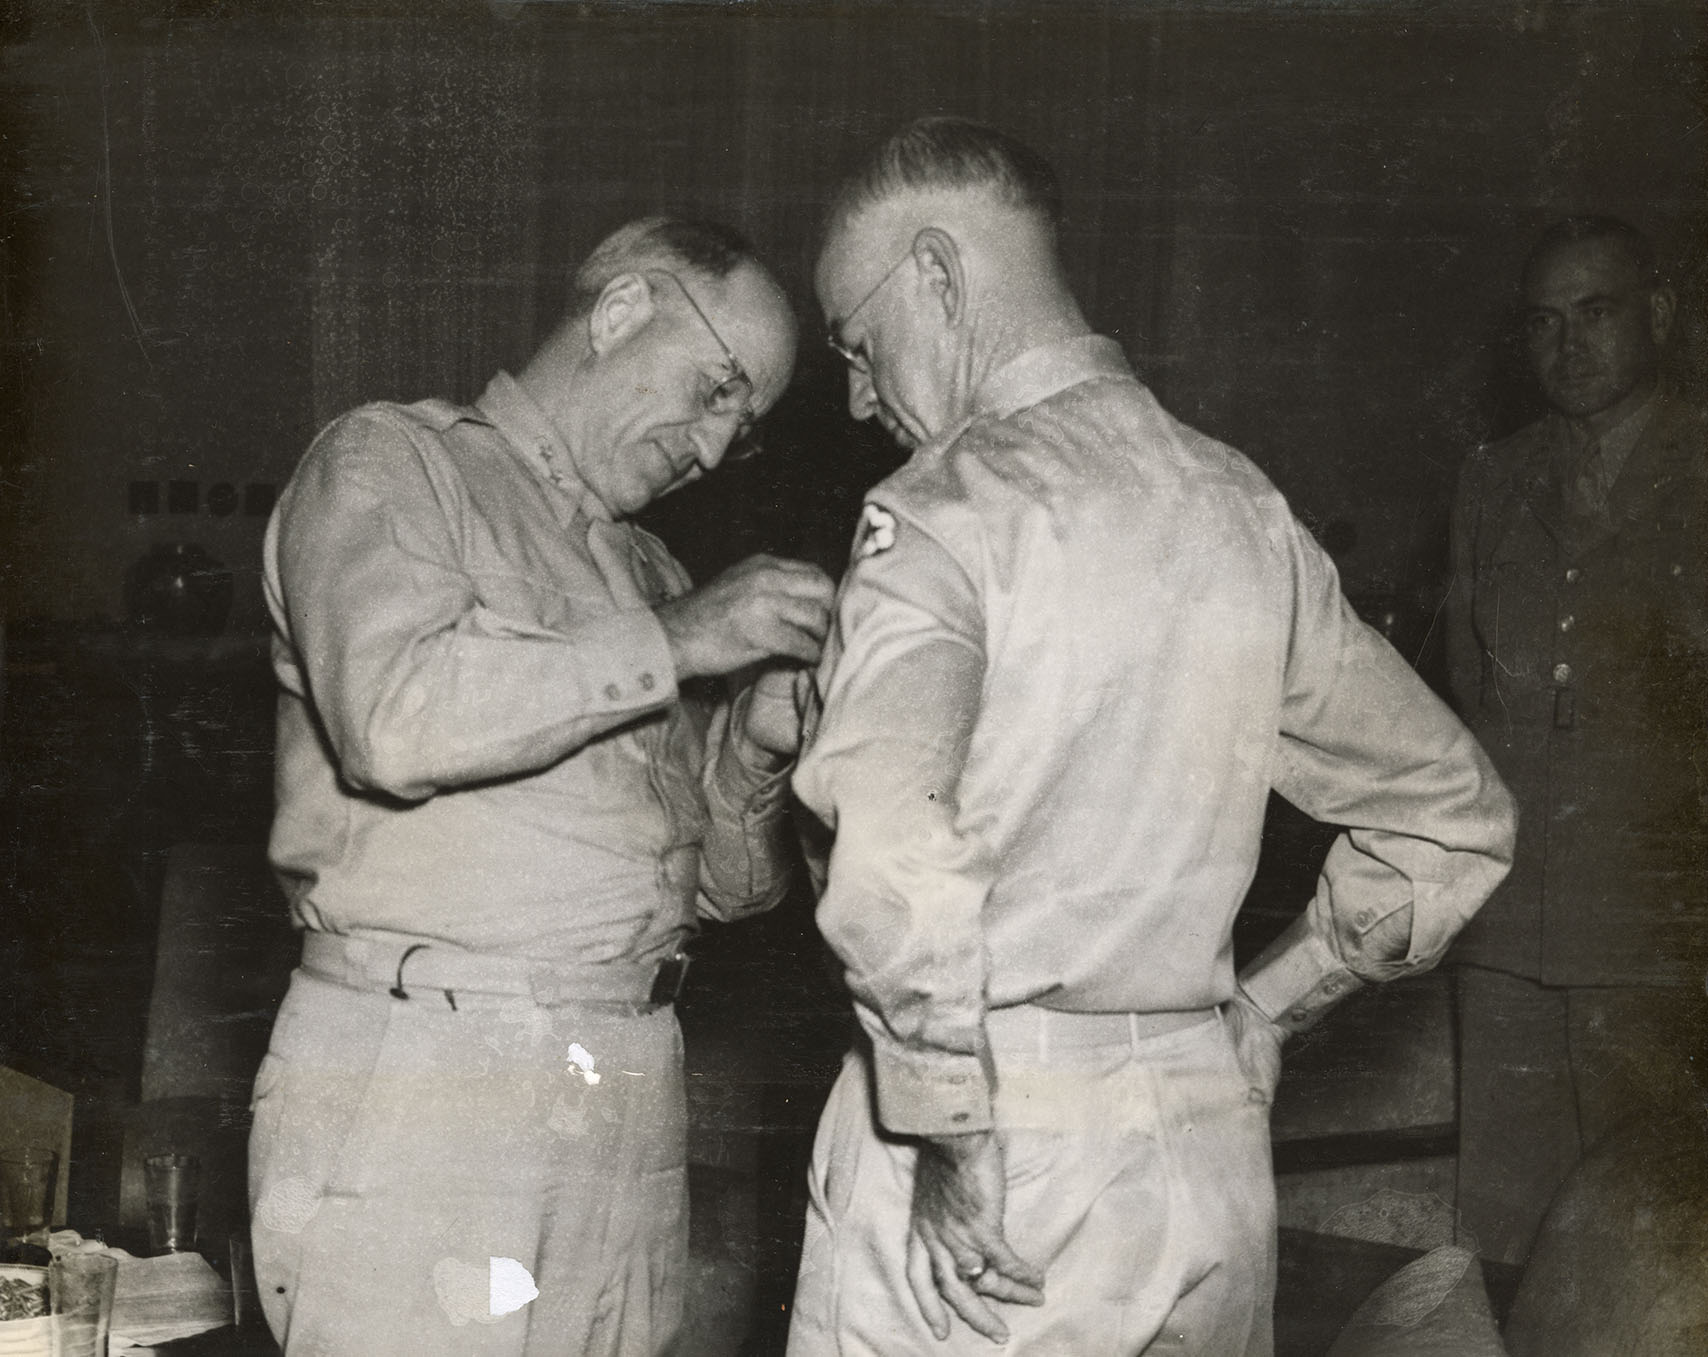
x=1029, y=1028
x=403, y=968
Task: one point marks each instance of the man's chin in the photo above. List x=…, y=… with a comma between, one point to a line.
x=899, y=434
x=1580, y=400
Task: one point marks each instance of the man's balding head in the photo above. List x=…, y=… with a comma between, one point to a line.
x=939, y=266
x=676, y=343
x=678, y=244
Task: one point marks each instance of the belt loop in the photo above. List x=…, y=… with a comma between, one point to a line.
x=1132, y=1034
x=397, y=990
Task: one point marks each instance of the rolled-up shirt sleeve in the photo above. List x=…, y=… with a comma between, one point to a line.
x=907, y=880
x=419, y=683
x=1429, y=826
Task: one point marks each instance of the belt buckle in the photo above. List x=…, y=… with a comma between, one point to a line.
x=667, y=980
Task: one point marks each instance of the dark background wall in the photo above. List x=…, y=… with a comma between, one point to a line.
x=225, y=222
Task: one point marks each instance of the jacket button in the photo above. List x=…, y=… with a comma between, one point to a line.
x=613, y=692
x=1572, y=574
x=646, y=682
x=1567, y=622
x=1562, y=673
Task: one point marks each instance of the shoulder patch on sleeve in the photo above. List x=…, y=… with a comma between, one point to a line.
x=877, y=532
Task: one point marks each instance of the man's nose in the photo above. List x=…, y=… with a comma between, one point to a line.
x=712, y=438
x=862, y=396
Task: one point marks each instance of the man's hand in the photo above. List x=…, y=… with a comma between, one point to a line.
x=760, y=609
x=1257, y=1043
x=774, y=710
x=956, y=1250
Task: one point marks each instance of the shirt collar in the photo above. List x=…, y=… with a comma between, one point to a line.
x=1616, y=444
x=518, y=417
x=1040, y=373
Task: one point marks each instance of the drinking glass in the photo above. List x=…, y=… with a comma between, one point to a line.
x=171, y=1182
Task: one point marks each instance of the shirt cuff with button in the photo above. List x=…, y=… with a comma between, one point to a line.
x=927, y=1091
x=1297, y=978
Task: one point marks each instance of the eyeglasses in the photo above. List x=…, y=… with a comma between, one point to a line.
x=731, y=396
x=857, y=357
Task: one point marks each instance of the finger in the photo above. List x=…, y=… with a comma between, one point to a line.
x=787, y=570
x=790, y=636
x=1008, y=1276
x=924, y=1287
x=960, y=1296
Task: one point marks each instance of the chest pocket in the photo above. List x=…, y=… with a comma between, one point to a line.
x=1515, y=605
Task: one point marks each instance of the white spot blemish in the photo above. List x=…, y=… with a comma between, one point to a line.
x=288, y=1206
x=511, y=1286
x=578, y=1056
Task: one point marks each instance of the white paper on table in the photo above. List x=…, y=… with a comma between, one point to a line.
x=172, y=1296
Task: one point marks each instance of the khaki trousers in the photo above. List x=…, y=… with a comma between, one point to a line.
x=1139, y=1178
x=400, y=1146
x=1545, y=1072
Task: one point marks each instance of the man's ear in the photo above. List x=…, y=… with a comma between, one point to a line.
x=624, y=307
x=940, y=263
x=1663, y=305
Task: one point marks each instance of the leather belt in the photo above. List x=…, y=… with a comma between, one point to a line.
x=402, y=969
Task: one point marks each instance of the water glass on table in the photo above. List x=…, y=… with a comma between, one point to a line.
x=26, y=1195
x=171, y=1183
x=80, y=1295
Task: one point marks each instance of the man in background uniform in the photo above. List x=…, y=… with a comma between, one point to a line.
x=1578, y=646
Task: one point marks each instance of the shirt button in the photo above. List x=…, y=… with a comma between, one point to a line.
x=1572, y=573
x=1562, y=673
x=1299, y=1015
x=1363, y=918
x=612, y=691
x=1567, y=622
x=647, y=682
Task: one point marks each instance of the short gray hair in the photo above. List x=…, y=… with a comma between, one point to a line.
x=1632, y=243
x=942, y=153
x=663, y=242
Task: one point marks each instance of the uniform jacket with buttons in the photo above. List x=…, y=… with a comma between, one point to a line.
x=481, y=739
x=1578, y=647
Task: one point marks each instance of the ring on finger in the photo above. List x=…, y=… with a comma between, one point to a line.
x=972, y=1274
